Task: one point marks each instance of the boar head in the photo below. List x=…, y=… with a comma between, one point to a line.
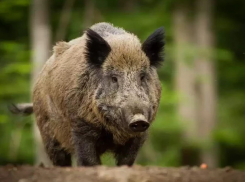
x=128, y=92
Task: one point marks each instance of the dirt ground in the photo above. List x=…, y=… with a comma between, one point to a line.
x=118, y=174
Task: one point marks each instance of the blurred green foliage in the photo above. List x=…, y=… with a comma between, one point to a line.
x=163, y=146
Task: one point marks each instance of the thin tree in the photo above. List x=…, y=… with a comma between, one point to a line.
x=40, y=43
x=185, y=80
x=206, y=77
x=64, y=20
x=89, y=13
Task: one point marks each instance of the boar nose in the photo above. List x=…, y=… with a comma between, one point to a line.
x=139, y=123
x=139, y=126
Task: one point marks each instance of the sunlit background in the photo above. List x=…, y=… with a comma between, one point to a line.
x=201, y=118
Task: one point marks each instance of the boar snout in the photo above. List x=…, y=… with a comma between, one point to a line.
x=139, y=123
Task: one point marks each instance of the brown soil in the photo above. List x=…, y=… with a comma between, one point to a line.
x=118, y=174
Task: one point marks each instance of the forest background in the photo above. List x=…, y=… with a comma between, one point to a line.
x=201, y=118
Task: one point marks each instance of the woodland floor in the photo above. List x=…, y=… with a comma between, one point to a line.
x=27, y=173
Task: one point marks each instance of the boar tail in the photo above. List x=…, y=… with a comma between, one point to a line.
x=21, y=109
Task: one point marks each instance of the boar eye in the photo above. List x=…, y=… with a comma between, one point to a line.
x=114, y=79
x=142, y=77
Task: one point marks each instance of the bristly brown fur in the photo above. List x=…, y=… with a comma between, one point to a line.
x=60, y=48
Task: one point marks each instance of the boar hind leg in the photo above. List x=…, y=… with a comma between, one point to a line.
x=57, y=154
x=126, y=155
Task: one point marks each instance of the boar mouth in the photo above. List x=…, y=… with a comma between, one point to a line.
x=115, y=116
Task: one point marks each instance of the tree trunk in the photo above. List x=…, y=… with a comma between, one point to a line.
x=40, y=41
x=64, y=20
x=185, y=81
x=128, y=5
x=89, y=13
x=206, y=84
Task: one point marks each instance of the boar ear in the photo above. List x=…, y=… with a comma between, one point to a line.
x=97, y=49
x=153, y=47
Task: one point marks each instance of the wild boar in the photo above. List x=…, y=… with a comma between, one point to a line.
x=98, y=93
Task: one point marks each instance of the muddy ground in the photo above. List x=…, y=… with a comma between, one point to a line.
x=118, y=174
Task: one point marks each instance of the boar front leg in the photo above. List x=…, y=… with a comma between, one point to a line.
x=126, y=155
x=85, y=137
